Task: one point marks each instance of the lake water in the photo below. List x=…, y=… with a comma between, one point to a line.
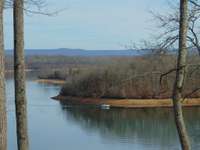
x=54, y=126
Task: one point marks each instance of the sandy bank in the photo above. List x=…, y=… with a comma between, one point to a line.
x=127, y=103
x=12, y=71
x=51, y=81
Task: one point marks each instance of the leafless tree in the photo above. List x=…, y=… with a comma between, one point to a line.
x=168, y=25
x=180, y=76
x=3, y=120
x=19, y=75
x=19, y=7
x=34, y=7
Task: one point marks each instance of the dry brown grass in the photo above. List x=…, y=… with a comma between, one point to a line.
x=51, y=81
x=127, y=103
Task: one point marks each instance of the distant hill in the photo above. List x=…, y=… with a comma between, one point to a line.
x=79, y=52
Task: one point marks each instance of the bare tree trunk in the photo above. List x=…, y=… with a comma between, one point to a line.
x=180, y=76
x=3, y=118
x=19, y=67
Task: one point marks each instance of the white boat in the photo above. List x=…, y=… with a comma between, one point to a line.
x=105, y=106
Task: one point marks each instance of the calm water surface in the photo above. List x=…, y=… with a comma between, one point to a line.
x=54, y=126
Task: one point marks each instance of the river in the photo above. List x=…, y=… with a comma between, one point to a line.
x=54, y=126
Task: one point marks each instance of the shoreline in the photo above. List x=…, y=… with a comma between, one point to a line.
x=51, y=81
x=126, y=103
x=12, y=71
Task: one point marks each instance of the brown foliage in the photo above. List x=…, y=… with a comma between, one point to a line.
x=138, y=78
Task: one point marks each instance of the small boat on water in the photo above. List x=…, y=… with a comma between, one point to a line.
x=105, y=106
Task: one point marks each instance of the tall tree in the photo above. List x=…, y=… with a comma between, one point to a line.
x=3, y=120
x=180, y=76
x=19, y=75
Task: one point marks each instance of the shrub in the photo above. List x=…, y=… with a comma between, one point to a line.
x=139, y=78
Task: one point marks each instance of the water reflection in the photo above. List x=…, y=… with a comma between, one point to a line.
x=55, y=126
x=153, y=128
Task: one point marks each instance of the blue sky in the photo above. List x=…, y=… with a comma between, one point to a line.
x=88, y=24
